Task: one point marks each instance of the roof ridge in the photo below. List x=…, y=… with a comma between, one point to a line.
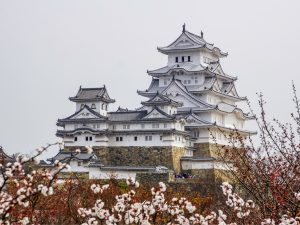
x=89, y=109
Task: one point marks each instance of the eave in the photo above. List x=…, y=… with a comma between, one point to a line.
x=74, y=99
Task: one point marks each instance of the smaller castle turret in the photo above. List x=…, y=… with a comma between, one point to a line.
x=95, y=98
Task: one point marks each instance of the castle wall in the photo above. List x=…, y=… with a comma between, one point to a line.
x=168, y=156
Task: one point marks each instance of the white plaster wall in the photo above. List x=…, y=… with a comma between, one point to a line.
x=128, y=140
x=94, y=126
x=146, y=126
x=76, y=168
x=202, y=165
x=192, y=78
x=96, y=173
x=206, y=53
x=231, y=121
x=195, y=57
x=97, y=140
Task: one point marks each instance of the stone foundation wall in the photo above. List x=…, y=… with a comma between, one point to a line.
x=153, y=179
x=141, y=156
x=208, y=150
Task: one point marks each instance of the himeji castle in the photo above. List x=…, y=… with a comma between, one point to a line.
x=189, y=105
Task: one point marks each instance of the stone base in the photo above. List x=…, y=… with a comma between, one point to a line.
x=168, y=156
x=142, y=156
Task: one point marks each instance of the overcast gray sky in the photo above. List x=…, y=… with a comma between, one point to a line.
x=49, y=48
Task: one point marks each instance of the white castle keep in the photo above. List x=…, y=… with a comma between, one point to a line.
x=190, y=104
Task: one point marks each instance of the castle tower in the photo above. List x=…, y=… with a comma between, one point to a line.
x=194, y=77
x=89, y=124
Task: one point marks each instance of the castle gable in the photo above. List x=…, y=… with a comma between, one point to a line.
x=179, y=93
x=85, y=113
x=156, y=113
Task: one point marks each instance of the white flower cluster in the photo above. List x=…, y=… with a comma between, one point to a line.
x=24, y=185
x=179, y=210
x=236, y=202
x=132, y=182
x=285, y=220
x=127, y=210
x=297, y=196
x=96, y=188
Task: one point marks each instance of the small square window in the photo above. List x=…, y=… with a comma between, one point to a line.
x=135, y=138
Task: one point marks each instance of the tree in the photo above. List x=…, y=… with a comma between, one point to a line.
x=268, y=174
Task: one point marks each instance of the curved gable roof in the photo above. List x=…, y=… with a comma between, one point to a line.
x=190, y=41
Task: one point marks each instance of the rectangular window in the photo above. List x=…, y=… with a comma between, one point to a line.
x=135, y=138
x=155, y=125
x=184, y=81
x=176, y=59
x=114, y=127
x=75, y=138
x=91, y=138
x=143, y=126
x=94, y=126
x=182, y=58
x=160, y=138
x=196, y=81
x=146, y=138
x=117, y=138
x=165, y=125
x=126, y=126
x=121, y=138
x=165, y=82
x=189, y=58
x=86, y=138
x=189, y=81
x=150, y=138
x=98, y=125
x=75, y=126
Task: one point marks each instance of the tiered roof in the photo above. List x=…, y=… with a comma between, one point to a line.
x=63, y=156
x=92, y=94
x=85, y=114
x=190, y=41
x=160, y=99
